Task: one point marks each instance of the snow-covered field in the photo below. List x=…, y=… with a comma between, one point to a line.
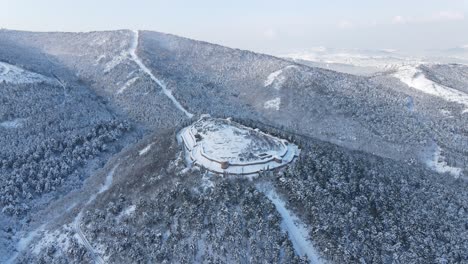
x=415, y=78
x=223, y=146
x=13, y=74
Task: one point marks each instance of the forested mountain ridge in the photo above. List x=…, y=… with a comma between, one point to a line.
x=98, y=112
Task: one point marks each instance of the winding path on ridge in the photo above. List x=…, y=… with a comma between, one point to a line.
x=24, y=241
x=83, y=240
x=77, y=221
x=142, y=66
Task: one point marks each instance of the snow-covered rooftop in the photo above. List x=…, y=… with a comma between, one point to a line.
x=223, y=146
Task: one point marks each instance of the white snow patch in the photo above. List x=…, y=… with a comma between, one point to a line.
x=11, y=124
x=273, y=104
x=116, y=61
x=5, y=69
x=127, y=212
x=127, y=85
x=297, y=231
x=107, y=182
x=130, y=210
x=206, y=182
x=145, y=69
x=183, y=171
x=277, y=78
x=272, y=77
x=24, y=242
x=415, y=78
x=13, y=74
x=446, y=112
x=145, y=150
x=437, y=163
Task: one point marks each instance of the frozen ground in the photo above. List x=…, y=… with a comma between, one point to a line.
x=224, y=146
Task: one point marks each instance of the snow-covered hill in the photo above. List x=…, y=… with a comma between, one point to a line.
x=88, y=156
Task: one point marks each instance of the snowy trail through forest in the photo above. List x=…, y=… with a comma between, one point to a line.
x=25, y=240
x=290, y=223
x=145, y=69
x=77, y=221
x=11, y=124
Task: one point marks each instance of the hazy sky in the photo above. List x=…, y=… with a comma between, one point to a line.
x=271, y=26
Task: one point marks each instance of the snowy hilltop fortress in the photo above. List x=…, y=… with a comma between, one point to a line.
x=223, y=146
